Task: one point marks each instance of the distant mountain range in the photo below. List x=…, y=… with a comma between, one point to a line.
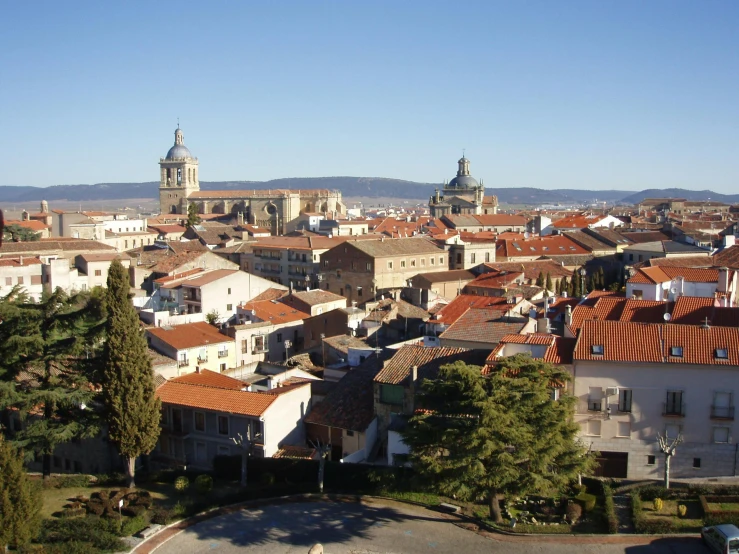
x=353, y=187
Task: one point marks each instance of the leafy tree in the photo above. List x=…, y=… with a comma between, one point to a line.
x=540, y=279
x=18, y=233
x=132, y=409
x=20, y=500
x=193, y=218
x=47, y=350
x=213, y=317
x=499, y=435
x=548, y=283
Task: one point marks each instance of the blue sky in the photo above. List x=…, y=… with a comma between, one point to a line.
x=582, y=94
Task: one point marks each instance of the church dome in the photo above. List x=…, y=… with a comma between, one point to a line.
x=178, y=151
x=463, y=180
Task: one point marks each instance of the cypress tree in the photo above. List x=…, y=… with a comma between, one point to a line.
x=44, y=368
x=548, y=282
x=576, y=284
x=564, y=286
x=540, y=279
x=20, y=500
x=192, y=215
x=132, y=409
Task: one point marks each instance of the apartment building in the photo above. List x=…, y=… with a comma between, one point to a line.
x=194, y=346
x=634, y=381
x=669, y=283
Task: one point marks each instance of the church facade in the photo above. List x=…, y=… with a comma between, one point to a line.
x=462, y=195
x=277, y=210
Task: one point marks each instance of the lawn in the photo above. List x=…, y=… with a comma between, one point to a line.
x=723, y=506
x=692, y=522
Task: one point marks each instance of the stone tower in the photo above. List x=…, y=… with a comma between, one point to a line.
x=178, y=176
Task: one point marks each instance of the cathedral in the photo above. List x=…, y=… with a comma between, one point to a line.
x=277, y=210
x=462, y=195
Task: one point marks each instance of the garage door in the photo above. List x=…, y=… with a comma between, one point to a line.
x=612, y=464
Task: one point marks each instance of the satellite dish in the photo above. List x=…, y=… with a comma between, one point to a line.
x=667, y=317
x=526, y=235
x=673, y=290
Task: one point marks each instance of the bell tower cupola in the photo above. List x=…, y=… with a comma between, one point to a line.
x=178, y=176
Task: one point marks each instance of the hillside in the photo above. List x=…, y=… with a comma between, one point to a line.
x=351, y=187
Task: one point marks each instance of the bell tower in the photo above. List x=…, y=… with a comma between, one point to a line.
x=178, y=176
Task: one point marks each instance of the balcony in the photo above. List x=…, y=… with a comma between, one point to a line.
x=271, y=270
x=673, y=409
x=722, y=412
x=223, y=354
x=202, y=360
x=183, y=363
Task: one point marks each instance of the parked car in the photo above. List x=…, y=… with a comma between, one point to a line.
x=723, y=539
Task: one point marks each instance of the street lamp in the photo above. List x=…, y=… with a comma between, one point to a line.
x=583, y=286
x=323, y=350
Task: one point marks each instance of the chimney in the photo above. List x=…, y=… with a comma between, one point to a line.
x=20, y=258
x=270, y=383
x=414, y=373
x=542, y=325
x=568, y=315
x=723, y=279
x=729, y=240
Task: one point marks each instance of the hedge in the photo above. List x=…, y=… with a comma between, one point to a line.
x=717, y=517
x=609, y=511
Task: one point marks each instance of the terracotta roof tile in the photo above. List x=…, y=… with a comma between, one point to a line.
x=274, y=311
x=457, y=307
x=428, y=360
x=239, y=402
x=295, y=452
x=189, y=335
x=481, y=325
x=207, y=378
x=498, y=279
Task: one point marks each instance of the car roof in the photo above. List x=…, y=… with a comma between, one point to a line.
x=728, y=529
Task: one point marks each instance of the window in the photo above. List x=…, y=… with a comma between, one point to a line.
x=390, y=265
x=359, y=291
x=554, y=394
x=595, y=399
x=676, y=351
x=487, y=257
x=20, y=280
x=325, y=263
x=624, y=400
x=349, y=433
x=722, y=407
x=391, y=394
x=674, y=404
x=229, y=307
x=402, y=263
x=472, y=258
x=200, y=422
x=696, y=463
x=722, y=353
x=98, y=272
x=369, y=266
x=223, y=367
x=432, y=260
x=244, y=346
x=651, y=460
x=441, y=260
x=459, y=258
x=423, y=262
x=594, y=427
x=596, y=349
x=721, y=435
x=413, y=263
x=624, y=429
x=222, y=425
x=259, y=344
x=638, y=294
x=354, y=265
x=229, y=290
x=9, y=281
x=279, y=338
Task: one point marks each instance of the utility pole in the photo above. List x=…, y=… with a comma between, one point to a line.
x=668, y=448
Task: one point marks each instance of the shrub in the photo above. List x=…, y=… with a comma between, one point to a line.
x=587, y=501
x=204, y=484
x=133, y=510
x=682, y=510
x=89, y=530
x=654, y=526
x=181, y=483
x=658, y=504
x=133, y=525
x=268, y=478
x=574, y=512
x=609, y=511
x=162, y=515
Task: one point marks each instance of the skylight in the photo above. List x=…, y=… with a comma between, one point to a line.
x=676, y=351
x=596, y=349
x=722, y=353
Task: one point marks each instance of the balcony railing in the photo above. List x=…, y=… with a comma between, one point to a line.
x=202, y=360
x=260, y=350
x=223, y=354
x=595, y=405
x=722, y=412
x=183, y=363
x=671, y=409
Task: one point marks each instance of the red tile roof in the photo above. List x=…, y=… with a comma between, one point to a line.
x=498, y=279
x=663, y=274
x=428, y=360
x=30, y=224
x=555, y=245
x=653, y=343
x=231, y=401
x=481, y=325
x=454, y=310
x=208, y=378
x=189, y=335
x=579, y=221
x=19, y=261
x=210, y=277
x=559, y=350
x=274, y=311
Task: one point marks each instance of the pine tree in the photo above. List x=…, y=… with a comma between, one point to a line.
x=20, y=500
x=45, y=368
x=192, y=215
x=540, y=279
x=132, y=409
x=548, y=283
x=496, y=435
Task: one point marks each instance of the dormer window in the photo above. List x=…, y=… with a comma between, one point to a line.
x=596, y=349
x=676, y=351
x=722, y=353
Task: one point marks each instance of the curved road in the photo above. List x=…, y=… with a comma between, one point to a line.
x=383, y=527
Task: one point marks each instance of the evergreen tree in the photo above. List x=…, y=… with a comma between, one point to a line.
x=132, y=409
x=20, y=500
x=576, y=284
x=496, y=435
x=565, y=286
x=18, y=233
x=46, y=349
x=192, y=215
x=601, y=278
x=540, y=279
x=548, y=283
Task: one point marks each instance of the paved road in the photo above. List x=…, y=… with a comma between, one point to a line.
x=379, y=527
